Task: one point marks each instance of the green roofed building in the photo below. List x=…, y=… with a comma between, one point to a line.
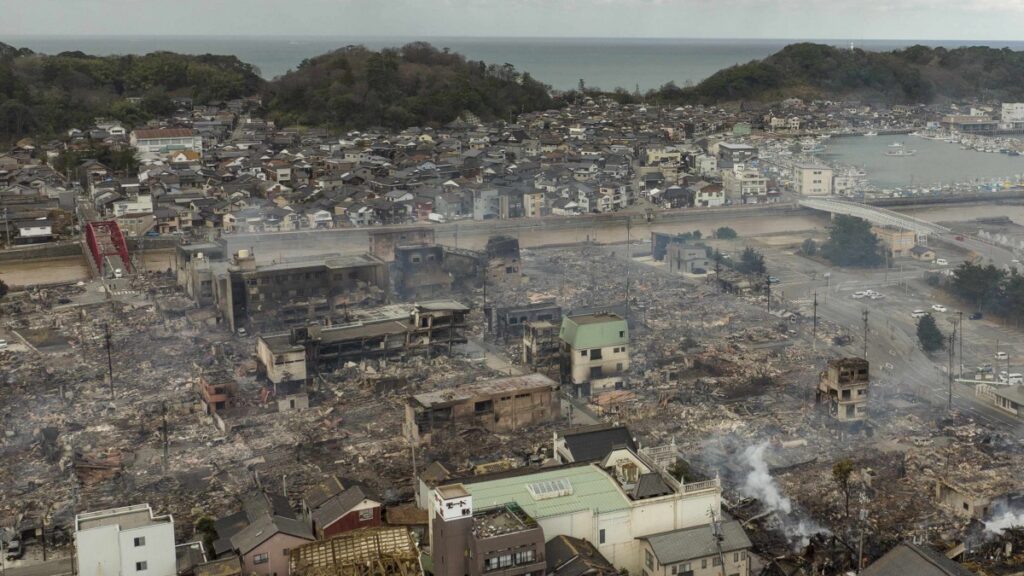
x=595, y=352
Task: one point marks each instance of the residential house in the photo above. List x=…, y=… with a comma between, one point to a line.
x=333, y=507
x=722, y=548
x=128, y=541
x=595, y=352
x=261, y=534
x=919, y=560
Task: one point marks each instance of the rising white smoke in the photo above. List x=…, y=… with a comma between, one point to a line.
x=1003, y=519
x=760, y=484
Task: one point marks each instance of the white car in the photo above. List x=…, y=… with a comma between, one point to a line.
x=939, y=308
x=876, y=296
x=858, y=295
x=1002, y=356
x=3, y=344
x=942, y=262
x=919, y=313
x=118, y=273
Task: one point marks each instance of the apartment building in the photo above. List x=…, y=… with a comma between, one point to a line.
x=126, y=541
x=843, y=386
x=595, y=352
x=812, y=179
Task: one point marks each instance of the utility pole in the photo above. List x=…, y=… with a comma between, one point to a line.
x=110, y=362
x=768, y=289
x=952, y=341
x=814, y=329
x=628, y=222
x=961, y=326
x=865, y=315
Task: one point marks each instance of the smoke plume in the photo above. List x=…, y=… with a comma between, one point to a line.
x=759, y=484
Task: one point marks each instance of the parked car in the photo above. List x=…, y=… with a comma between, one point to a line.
x=942, y=262
x=241, y=332
x=15, y=550
x=3, y=344
x=1002, y=356
x=773, y=280
x=877, y=296
x=919, y=313
x=118, y=273
x=858, y=295
x=975, y=316
x=939, y=308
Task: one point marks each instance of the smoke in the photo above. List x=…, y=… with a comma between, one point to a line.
x=759, y=484
x=1004, y=518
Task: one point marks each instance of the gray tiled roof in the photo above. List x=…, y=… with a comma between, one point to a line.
x=697, y=542
x=906, y=559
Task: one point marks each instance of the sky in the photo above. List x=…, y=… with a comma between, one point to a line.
x=804, y=19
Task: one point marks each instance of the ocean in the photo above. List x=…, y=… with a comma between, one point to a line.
x=604, y=63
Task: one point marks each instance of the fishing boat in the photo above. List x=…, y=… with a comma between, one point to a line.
x=872, y=133
x=811, y=147
x=898, y=149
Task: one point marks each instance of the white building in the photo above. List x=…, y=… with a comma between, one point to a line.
x=610, y=503
x=812, y=180
x=127, y=541
x=741, y=183
x=166, y=140
x=142, y=204
x=1012, y=112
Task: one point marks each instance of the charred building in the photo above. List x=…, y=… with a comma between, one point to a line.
x=387, y=332
x=503, y=263
x=383, y=243
x=843, y=387
x=510, y=320
x=419, y=272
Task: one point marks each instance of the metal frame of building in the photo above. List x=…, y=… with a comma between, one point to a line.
x=385, y=551
x=874, y=214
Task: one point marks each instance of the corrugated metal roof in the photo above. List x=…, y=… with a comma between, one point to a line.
x=592, y=489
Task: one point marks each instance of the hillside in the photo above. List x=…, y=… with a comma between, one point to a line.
x=414, y=85
x=915, y=74
x=42, y=94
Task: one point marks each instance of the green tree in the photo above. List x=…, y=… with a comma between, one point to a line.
x=206, y=529
x=841, y=472
x=852, y=243
x=725, y=233
x=981, y=286
x=928, y=334
x=751, y=262
x=809, y=247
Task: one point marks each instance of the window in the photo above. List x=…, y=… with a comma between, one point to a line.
x=583, y=353
x=622, y=333
x=716, y=561
x=366, y=515
x=703, y=563
x=260, y=559
x=525, y=557
x=600, y=536
x=140, y=541
x=285, y=552
x=648, y=559
x=735, y=556
x=595, y=354
x=141, y=566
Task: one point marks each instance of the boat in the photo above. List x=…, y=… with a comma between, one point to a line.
x=872, y=133
x=811, y=147
x=898, y=149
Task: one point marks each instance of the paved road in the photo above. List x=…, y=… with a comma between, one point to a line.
x=56, y=567
x=892, y=336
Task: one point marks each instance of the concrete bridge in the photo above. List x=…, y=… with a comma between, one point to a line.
x=875, y=215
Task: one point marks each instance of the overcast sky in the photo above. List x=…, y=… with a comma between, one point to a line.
x=855, y=19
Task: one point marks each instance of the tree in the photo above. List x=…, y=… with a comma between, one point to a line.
x=841, y=472
x=928, y=334
x=751, y=262
x=852, y=243
x=725, y=233
x=206, y=528
x=3, y=289
x=809, y=247
x=981, y=286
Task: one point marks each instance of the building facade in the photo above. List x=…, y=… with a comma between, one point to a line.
x=843, y=387
x=812, y=180
x=595, y=352
x=127, y=541
x=166, y=140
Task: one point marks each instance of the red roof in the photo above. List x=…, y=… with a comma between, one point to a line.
x=164, y=133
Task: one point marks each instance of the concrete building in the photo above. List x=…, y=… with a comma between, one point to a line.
x=386, y=332
x=541, y=346
x=125, y=541
x=419, y=272
x=698, y=551
x=744, y=185
x=898, y=242
x=731, y=154
x=384, y=242
x=1010, y=399
x=161, y=140
x=510, y=320
x=294, y=290
x=496, y=539
x=1012, y=112
x=844, y=387
x=503, y=263
x=610, y=503
x=595, y=352
x=500, y=405
x=969, y=124
x=812, y=179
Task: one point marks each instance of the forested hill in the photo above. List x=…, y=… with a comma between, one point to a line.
x=350, y=88
x=915, y=74
x=42, y=94
x=416, y=84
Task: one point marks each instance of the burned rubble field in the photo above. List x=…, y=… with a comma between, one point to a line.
x=717, y=375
